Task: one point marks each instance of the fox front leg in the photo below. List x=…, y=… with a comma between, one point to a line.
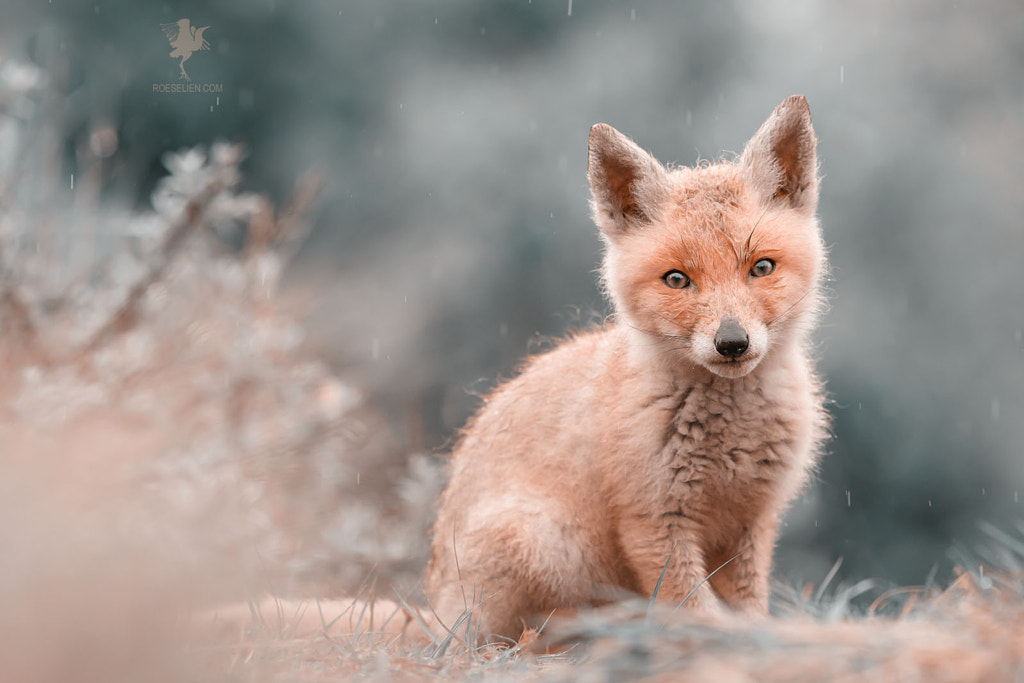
x=673, y=564
x=744, y=570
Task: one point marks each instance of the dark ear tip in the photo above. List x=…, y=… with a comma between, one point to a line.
x=796, y=103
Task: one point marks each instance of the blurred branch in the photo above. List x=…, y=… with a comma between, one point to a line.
x=124, y=318
x=23, y=327
x=287, y=232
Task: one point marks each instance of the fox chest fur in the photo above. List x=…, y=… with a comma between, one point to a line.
x=721, y=453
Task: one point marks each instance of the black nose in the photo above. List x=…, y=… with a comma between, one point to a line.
x=731, y=339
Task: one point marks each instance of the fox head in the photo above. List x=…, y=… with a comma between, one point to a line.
x=715, y=266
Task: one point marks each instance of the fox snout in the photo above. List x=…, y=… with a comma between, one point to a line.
x=731, y=339
x=732, y=349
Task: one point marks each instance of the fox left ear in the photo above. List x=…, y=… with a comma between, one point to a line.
x=780, y=160
x=626, y=182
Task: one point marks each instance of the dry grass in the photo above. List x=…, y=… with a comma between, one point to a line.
x=972, y=631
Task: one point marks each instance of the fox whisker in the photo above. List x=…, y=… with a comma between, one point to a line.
x=668, y=320
x=750, y=248
x=756, y=223
x=654, y=333
x=788, y=310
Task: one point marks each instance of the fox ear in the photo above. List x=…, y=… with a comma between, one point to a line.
x=627, y=183
x=780, y=160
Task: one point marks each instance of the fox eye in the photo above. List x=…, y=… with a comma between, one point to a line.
x=676, y=279
x=763, y=267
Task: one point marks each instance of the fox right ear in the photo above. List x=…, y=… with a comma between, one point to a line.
x=627, y=183
x=780, y=160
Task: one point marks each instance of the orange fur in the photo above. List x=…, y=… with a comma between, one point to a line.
x=642, y=446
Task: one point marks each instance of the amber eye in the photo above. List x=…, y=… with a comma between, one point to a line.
x=676, y=279
x=763, y=267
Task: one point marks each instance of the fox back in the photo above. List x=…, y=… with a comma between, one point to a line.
x=663, y=446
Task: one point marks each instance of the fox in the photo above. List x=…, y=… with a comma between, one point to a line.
x=656, y=453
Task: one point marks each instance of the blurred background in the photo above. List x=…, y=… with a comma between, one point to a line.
x=451, y=236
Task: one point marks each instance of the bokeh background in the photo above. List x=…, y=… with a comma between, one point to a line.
x=452, y=237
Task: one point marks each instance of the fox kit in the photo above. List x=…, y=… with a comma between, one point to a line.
x=668, y=443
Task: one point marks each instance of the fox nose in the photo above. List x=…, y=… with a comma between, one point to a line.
x=731, y=339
